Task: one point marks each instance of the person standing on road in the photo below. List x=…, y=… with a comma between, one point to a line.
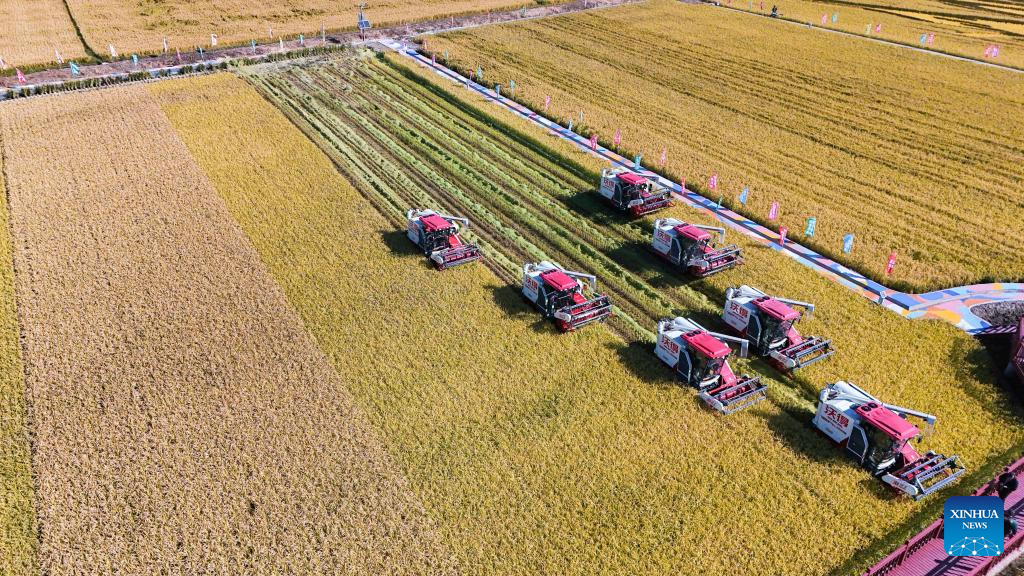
x=1006, y=484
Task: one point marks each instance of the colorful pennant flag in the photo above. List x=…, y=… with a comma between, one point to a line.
x=835, y=17
x=3, y=65
x=21, y=76
x=280, y=43
x=773, y=212
x=812, y=223
x=891, y=264
x=593, y=142
x=497, y=90
x=878, y=28
x=512, y=87
x=445, y=56
x=783, y=232
x=135, y=60
x=547, y=102
x=664, y=157
x=931, y=38
x=200, y=50
x=302, y=39
x=847, y=243
x=270, y=33
x=713, y=181
x=113, y=53
x=60, y=59
x=253, y=44
x=636, y=161
x=923, y=39
x=618, y=138
x=177, y=53
x=433, y=60
x=570, y=124
x=213, y=39
x=867, y=29
x=719, y=205
x=74, y=69
x=479, y=74
x=824, y=18
x=988, y=51
x=165, y=46
x=744, y=194
x=995, y=51
x=682, y=184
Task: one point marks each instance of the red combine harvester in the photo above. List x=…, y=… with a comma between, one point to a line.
x=700, y=359
x=438, y=237
x=689, y=246
x=559, y=294
x=632, y=192
x=767, y=323
x=877, y=435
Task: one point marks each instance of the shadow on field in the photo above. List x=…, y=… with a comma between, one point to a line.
x=639, y=258
x=639, y=359
x=793, y=428
x=511, y=300
x=398, y=242
x=975, y=368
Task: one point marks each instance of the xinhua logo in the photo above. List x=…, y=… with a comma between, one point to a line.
x=973, y=526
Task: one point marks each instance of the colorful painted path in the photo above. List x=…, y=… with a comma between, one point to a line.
x=952, y=305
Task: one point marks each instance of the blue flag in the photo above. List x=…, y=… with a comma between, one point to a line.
x=924, y=38
x=812, y=223
x=302, y=40
x=200, y=51
x=570, y=125
x=445, y=56
x=835, y=17
x=744, y=194
x=719, y=207
x=497, y=89
x=74, y=69
x=479, y=74
x=135, y=59
x=253, y=44
x=636, y=161
x=847, y=243
x=512, y=86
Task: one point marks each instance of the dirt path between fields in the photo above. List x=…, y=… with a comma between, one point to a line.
x=184, y=420
x=192, y=57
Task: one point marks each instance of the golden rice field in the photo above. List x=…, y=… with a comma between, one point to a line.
x=142, y=26
x=17, y=517
x=183, y=421
x=908, y=151
x=534, y=452
x=32, y=30
x=962, y=28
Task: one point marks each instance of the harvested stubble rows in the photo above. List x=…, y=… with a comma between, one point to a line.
x=556, y=459
x=17, y=517
x=183, y=420
x=961, y=28
x=142, y=26
x=31, y=31
x=909, y=152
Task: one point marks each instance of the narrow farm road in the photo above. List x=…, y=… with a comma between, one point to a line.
x=952, y=305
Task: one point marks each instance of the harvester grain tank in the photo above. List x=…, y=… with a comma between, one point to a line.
x=691, y=247
x=569, y=298
x=628, y=191
x=767, y=322
x=878, y=435
x=700, y=359
x=438, y=237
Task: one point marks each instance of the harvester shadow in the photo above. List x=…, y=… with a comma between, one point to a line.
x=792, y=426
x=510, y=299
x=399, y=245
x=640, y=259
x=639, y=359
x=975, y=365
x=589, y=204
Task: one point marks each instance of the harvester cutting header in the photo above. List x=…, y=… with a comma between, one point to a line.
x=438, y=237
x=560, y=295
x=631, y=192
x=767, y=323
x=690, y=246
x=700, y=359
x=877, y=435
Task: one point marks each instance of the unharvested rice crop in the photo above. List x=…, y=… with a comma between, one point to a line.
x=142, y=26
x=907, y=151
x=536, y=452
x=963, y=28
x=33, y=31
x=17, y=518
x=183, y=420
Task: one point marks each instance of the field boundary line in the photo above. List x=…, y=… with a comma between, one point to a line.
x=894, y=43
x=952, y=305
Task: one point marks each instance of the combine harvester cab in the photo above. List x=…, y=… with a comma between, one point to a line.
x=690, y=246
x=878, y=436
x=631, y=192
x=563, y=295
x=438, y=237
x=700, y=359
x=768, y=324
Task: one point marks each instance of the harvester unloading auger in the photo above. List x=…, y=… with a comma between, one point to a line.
x=700, y=359
x=570, y=298
x=690, y=246
x=767, y=323
x=631, y=192
x=438, y=236
x=877, y=435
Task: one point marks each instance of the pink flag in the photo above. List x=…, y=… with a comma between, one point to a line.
x=995, y=51
x=21, y=76
x=783, y=232
x=891, y=265
x=823, y=19
x=713, y=182
x=547, y=102
x=682, y=183
x=878, y=28
x=988, y=51
x=618, y=138
x=762, y=5
x=593, y=142
x=773, y=212
x=664, y=156
x=433, y=59
x=931, y=37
